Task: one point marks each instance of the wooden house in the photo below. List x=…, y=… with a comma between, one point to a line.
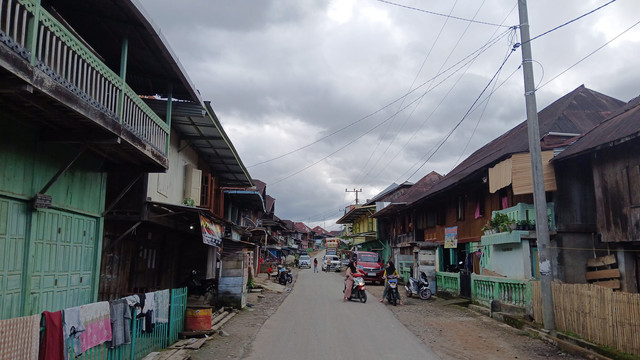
x=598, y=203
x=73, y=78
x=452, y=213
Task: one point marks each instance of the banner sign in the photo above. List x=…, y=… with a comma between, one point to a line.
x=451, y=237
x=211, y=232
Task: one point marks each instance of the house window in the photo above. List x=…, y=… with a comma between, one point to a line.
x=479, y=211
x=460, y=208
x=431, y=219
x=441, y=215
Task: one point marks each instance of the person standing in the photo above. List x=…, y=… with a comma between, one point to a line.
x=315, y=265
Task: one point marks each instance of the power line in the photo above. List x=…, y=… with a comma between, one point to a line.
x=570, y=21
x=589, y=55
x=478, y=51
x=443, y=15
x=465, y=115
x=364, y=174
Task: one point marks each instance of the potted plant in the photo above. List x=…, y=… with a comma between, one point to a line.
x=487, y=228
x=522, y=225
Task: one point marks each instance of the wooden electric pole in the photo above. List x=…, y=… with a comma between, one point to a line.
x=539, y=197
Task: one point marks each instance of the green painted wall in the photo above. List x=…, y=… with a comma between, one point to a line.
x=49, y=258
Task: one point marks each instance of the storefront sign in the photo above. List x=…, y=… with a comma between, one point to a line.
x=451, y=237
x=211, y=232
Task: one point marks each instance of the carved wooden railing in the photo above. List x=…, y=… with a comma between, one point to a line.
x=47, y=44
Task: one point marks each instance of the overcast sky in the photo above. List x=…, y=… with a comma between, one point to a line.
x=322, y=96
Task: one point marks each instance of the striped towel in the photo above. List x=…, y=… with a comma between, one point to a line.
x=19, y=338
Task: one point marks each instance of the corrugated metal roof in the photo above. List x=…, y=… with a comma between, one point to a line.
x=419, y=190
x=576, y=112
x=624, y=125
x=201, y=128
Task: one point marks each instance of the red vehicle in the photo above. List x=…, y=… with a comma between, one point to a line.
x=371, y=264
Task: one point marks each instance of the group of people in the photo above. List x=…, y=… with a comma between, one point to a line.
x=352, y=268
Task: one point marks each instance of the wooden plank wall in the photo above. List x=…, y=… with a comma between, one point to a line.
x=596, y=313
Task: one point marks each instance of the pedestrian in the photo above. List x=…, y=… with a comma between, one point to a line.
x=269, y=270
x=315, y=265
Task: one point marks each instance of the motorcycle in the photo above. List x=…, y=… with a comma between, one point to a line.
x=284, y=275
x=419, y=287
x=358, y=289
x=197, y=285
x=392, y=294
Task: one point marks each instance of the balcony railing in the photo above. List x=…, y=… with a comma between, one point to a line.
x=508, y=291
x=43, y=41
x=524, y=211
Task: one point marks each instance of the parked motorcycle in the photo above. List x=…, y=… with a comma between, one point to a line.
x=419, y=287
x=392, y=294
x=358, y=289
x=197, y=285
x=284, y=275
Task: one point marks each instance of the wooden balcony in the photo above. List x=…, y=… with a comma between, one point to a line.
x=53, y=80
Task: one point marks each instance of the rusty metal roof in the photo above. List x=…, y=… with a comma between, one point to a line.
x=576, y=112
x=419, y=190
x=622, y=126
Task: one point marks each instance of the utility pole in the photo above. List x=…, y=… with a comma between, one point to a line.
x=539, y=197
x=355, y=191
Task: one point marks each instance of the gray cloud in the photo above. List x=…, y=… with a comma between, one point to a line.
x=282, y=74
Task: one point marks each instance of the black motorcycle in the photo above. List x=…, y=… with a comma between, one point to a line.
x=284, y=276
x=419, y=287
x=393, y=296
x=199, y=286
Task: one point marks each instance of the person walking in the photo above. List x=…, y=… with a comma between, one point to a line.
x=315, y=265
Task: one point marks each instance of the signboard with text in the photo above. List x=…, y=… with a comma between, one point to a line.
x=451, y=237
x=211, y=232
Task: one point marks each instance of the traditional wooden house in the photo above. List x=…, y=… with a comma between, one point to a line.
x=396, y=228
x=495, y=179
x=73, y=77
x=362, y=229
x=598, y=203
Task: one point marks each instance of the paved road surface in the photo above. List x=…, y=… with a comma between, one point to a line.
x=314, y=323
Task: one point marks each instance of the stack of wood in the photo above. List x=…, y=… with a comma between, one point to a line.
x=603, y=271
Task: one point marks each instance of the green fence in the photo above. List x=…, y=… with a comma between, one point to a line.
x=448, y=282
x=514, y=292
x=143, y=343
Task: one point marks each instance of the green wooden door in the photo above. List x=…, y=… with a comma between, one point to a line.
x=13, y=225
x=63, y=261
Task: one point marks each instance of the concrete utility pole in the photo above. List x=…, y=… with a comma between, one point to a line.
x=355, y=191
x=539, y=197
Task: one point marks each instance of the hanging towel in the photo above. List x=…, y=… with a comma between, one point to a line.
x=52, y=347
x=97, y=323
x=162, y=298
x=149, y=311
x=120, y=323
x=72, y=329
x=19, y=338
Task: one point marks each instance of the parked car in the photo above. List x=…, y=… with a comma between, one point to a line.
x=371, y=264
x=304, y=261
x=331, y=263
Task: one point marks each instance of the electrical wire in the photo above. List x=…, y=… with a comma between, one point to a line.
x=589, y=55
x=364, y=174
x=443, y=15
x=464, y=117
x=570, y=21
x=370, y=130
